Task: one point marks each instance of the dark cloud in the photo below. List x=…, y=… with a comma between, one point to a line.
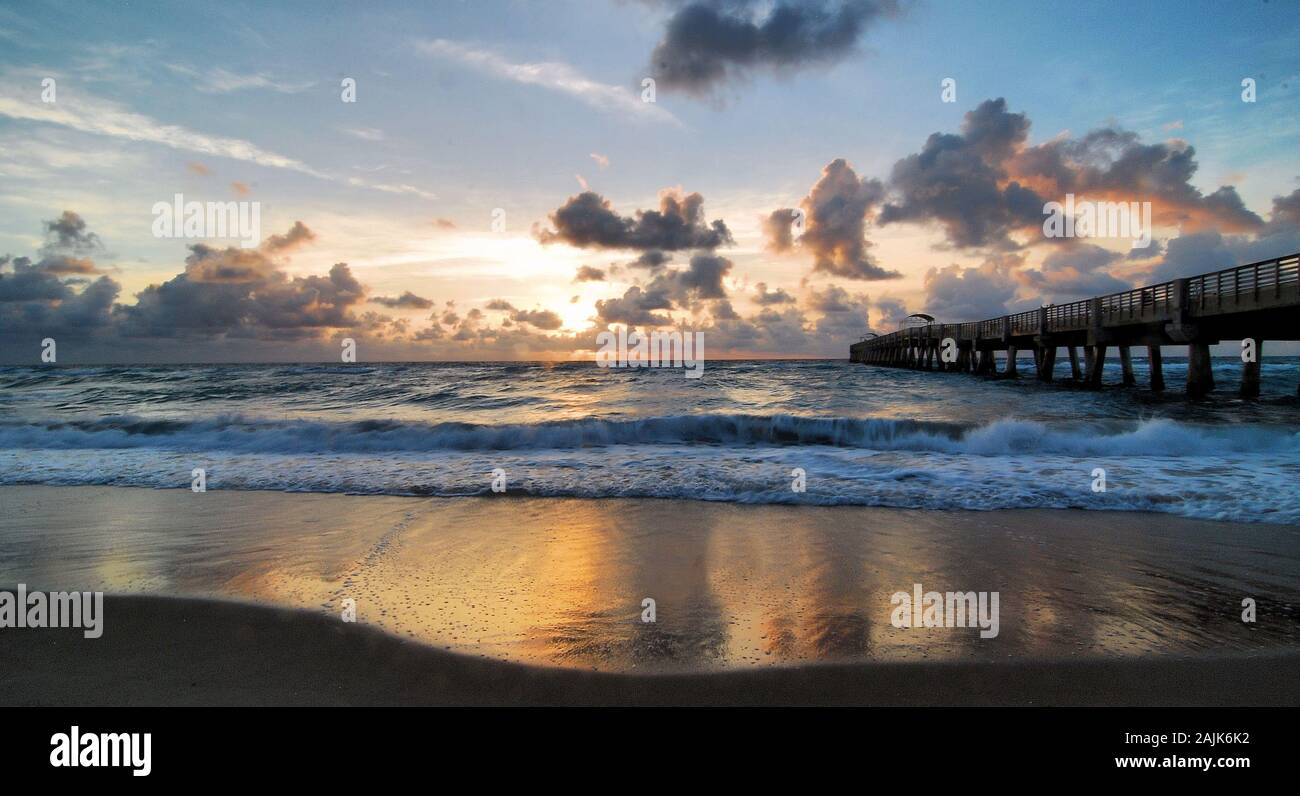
x=891, y=312
x=652, y=260
x=53, y=297
x=541, y=319
x=298, y=235
x=835, y=226
x=706, y=44
x=763, y=297
x=954, y=293
x=68, y=234
x=38, y=302
x=1211, y=250
x=236, y=264
x=833, y=299
x=406, y=301
x=843, y=316
x=588, y=221
x=961, y=181
x=589, y=273
x=1074, y=272
x=230, y=265
x=986, y=184
x=62, y=265
x=276, y=307
x=723, y=311
x=704, y=276
x=1286, y=212
x=636, y=307
x=1110, y=164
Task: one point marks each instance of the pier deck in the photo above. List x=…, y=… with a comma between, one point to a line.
x=1258, y=302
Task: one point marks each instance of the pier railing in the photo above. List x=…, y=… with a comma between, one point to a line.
x=1241, y=288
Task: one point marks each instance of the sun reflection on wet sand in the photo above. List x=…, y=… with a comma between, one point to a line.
x=561, y=581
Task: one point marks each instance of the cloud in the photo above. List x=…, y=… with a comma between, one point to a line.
x=588, y=221
x=365, y=133
x=765, y=298
x=541, y=319
x=68, y=234
x=986, y=184
x=961, y=181
x=588, y=273
x=1113, y=164
x=836, y=211
x=843, y=316
x=653, y=259
x=778, y=229
x=550, y=75
x=601, y=160
x=636, y=307
x=406, y=301
x=1074, y=272
x=708, y=44
x=954, y=293
x=222, y=81
x=236, y=264
x=1210, y=250
x=107, y=118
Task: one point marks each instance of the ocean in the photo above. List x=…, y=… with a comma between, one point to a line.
x=747, y=432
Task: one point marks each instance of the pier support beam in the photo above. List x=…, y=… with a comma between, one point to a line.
x=1250, y=373
x=1074, y=364
x=1200, y=376
x=1127, y=363
x=1157, y=368
x=1096, y=361
x=1046, y=362
x=1011, y=363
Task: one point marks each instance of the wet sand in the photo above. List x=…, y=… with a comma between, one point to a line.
x=536, y=585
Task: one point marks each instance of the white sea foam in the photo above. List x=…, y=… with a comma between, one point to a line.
x=1244, y=474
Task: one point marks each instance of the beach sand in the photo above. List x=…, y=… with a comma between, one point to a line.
x=176, y=651
x=513, y=600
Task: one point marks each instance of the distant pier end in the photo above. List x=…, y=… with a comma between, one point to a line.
x=1259, y=301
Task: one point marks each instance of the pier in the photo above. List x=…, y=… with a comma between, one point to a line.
x=1255, y=302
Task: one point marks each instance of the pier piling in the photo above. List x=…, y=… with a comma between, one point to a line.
x=1096, y=363
x=1126, y=362
x=1250, y=373
x=1157, y=368
x=1200, y=374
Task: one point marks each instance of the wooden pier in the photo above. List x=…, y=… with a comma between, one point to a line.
x=1259, y=301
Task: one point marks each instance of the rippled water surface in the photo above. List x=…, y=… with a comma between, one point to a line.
x=861, y=435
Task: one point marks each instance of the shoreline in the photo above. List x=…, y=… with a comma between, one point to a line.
x=182, y=651
x=539, y=601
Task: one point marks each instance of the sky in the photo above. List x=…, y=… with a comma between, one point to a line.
x=502, y=187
